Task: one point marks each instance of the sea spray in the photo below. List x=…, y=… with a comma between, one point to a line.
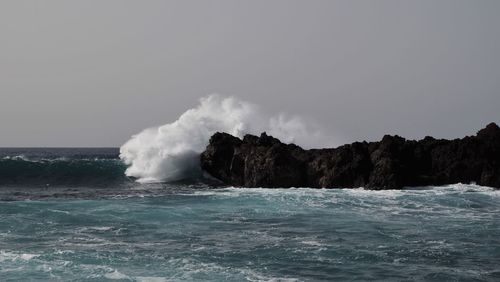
x=170, y=152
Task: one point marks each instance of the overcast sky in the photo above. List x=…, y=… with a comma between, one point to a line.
x=92, y=73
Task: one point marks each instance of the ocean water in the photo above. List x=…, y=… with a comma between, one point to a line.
x=72, y=215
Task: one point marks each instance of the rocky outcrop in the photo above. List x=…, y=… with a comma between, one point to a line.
x=391, y=163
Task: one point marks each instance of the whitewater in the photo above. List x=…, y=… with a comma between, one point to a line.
x=165, y=232
x=146, y=212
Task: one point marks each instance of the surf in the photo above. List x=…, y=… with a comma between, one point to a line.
x=170, y=152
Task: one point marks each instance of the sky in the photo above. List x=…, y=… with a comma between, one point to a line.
x=92, y=73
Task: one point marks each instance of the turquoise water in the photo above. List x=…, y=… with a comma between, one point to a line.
x=185, y=233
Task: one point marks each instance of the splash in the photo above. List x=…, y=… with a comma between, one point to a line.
x=171, y=152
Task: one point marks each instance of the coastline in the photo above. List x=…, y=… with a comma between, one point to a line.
x=392, y=163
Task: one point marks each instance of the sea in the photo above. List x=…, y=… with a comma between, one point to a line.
x=74, y=215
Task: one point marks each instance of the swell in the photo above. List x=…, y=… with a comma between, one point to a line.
x=20, y=171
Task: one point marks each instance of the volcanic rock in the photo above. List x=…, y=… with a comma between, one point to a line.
x=392, y=163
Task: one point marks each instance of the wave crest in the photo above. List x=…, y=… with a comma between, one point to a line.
x=55, y=172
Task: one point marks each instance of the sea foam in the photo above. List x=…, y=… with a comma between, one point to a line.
x=170, y=152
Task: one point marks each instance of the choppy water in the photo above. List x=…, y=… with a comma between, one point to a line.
x=162, y=232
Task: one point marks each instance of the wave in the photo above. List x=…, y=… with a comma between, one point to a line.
x=170, y=152
x=20, y=170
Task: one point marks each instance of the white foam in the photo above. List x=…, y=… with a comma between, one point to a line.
x=116, y=275
x=171, y=152
x=59, y=211
x=312, y=243
x=16, y=158
x=150, y=279
x=10, y=256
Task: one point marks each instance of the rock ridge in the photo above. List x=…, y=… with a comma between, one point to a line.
x=392, y=163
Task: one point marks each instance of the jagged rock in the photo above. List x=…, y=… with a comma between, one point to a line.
x=392, y=163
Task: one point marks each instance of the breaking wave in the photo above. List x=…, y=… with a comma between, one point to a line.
x=170, y=152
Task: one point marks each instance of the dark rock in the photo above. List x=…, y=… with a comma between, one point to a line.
x=392, y=163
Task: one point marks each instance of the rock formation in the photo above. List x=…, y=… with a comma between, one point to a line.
x=392, y=163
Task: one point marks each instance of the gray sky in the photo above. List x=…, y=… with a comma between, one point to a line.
x=92, y=73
